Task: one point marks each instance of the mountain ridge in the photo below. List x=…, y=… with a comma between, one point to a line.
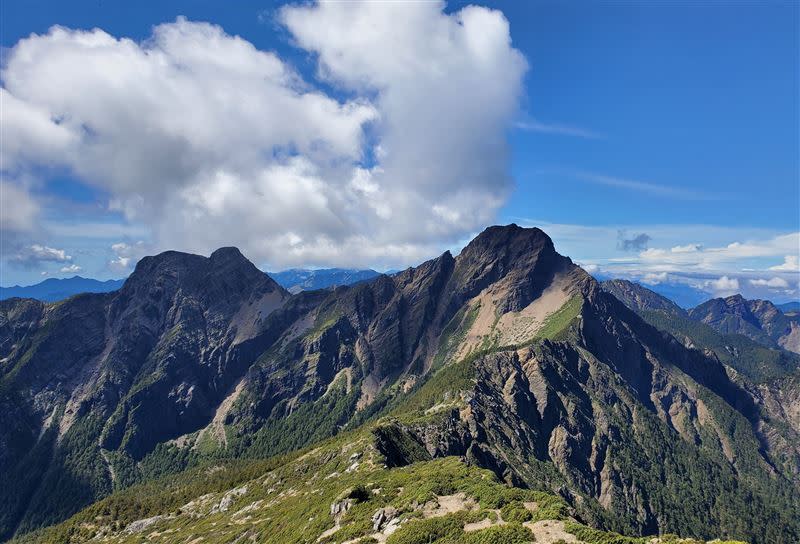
x=55, y=289
x=508, y=355
x=294, y=280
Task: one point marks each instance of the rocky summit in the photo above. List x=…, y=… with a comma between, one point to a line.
x=502, y=393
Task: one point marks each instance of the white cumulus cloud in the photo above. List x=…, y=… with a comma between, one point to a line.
x=210, y=141
x=697, y=257
x=724, y=285
x=654, y=278
x=125, y=256
x=776, y=283
x=35, y=254
x=791, y=263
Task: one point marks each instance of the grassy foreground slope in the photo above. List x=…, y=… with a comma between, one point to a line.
x=338, y=492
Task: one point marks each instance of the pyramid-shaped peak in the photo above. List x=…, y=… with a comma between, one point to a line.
x=510, y=240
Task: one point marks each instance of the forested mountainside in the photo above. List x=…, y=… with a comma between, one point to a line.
x=739, y=352
x=508, y=356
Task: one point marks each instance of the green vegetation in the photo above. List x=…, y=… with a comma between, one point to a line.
x=709, y=488
x=557, y=323
x=589, y=535
x=308, y=423
x=444, y=385
x=449, y=529
x=30, y=347
x=426, y=531
x=516, y=511
x=435, y=385
x=699, y=491
x=163, y=495
x=305, y=488
x=753, y=360
x=288, y=500
x=512, y=533
x=593, y=536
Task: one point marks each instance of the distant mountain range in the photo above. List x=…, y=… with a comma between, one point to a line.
x=756, y=355
x=55, y=289
x=759, y=320
x=294, y=280
x=302, y=279
x=789, y=307
x=157, y=406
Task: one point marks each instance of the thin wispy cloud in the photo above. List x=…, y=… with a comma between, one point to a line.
x=646, y=187
x=533, y=125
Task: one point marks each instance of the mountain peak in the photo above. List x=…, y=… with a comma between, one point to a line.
x=759, y=320
x=229, y=253
x=508, y=242
x=735, y=299
x=225, y=269
x=510, y=233
x=523, y=259
x=167, y=261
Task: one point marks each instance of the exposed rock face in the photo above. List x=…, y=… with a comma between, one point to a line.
x=382, y=517
x=196, y=354
x=780, y=401
x=759, y=320
x=141, y=525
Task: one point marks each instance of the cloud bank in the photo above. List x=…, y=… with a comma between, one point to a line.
x=700, y=260
x=395, y=149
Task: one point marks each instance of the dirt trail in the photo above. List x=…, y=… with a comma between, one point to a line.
x=448, y=504
x=549, y=531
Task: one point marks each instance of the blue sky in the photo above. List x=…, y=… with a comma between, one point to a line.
x=657, y=141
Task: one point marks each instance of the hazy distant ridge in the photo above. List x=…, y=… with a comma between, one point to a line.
x=55, y=289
